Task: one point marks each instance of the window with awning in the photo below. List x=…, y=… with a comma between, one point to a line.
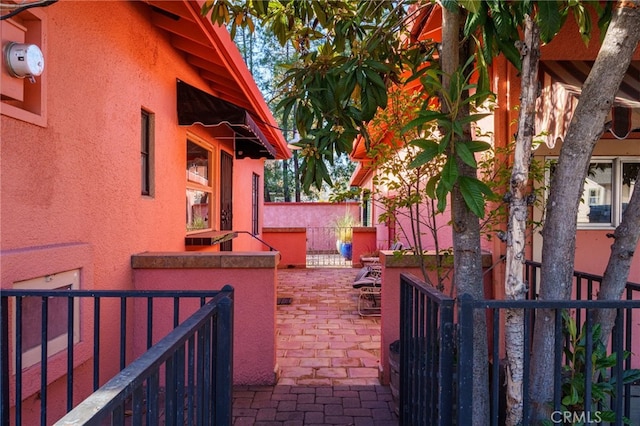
x=199, y=107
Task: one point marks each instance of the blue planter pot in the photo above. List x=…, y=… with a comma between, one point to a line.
x=346, y=250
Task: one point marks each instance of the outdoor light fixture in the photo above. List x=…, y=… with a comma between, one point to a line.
x=24, y=60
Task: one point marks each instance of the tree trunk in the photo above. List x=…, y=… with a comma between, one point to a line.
x=617, y=273
x=467, y=256
x=285, y=181
x=296, y=173
x=515, y=287
x=559, y=232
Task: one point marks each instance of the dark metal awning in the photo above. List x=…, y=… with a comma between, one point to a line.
x=198, y=107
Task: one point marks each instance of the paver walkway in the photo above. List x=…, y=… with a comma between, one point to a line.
x=328, y=357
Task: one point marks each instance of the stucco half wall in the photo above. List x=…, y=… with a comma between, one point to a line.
x=253, y=277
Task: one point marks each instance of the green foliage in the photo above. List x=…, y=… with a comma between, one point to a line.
x=198, y=222
x=575, y=370
x=399, y=188
x=349, y=54
x=497, y=23
x=343, y=226
x=497, y=175
x=447, y=137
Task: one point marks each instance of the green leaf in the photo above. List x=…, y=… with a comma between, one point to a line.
x=629, y=376
x=473, y=192
x=375, y=78
x=548, y=19
x=478, y=146
x=571, y=326
x=472, y=118
x=423, y=117
x=502, y=21
x=510, y=52
x=473, y=6
x=572, y=398
x=441, y=195
x=449, y=174
x=466, y=155
x=430, y=187
x=429, y=152
x=320, y=13
x=450, y=5
x=444, y=143
x=377, y=66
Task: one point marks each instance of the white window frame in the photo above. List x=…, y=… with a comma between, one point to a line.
x=205, y=185
x=61, y=280
x=616, y=189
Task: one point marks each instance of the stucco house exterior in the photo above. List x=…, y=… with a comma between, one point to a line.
x=565, y=63
x=145, y=133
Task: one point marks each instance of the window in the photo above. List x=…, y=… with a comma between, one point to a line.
x=57, y=327
x=199, y=186
x=255, y=203
x=146, y=152
x=607, y=190
x=597, y=198
x=630, y=173
x=366, y=208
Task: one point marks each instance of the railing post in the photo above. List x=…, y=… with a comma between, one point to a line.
x=406, y=322
x=445, y=379
x=465, y=361
x=4, y=361
x=224, y=361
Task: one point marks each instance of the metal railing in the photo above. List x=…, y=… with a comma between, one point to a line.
x=426, y=348
x=322, y=247
x=620, y=343
x=96, y=319
x=434, y=348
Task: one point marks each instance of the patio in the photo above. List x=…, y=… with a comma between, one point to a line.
x=328, y=358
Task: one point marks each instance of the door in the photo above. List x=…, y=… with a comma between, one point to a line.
x=226, y=197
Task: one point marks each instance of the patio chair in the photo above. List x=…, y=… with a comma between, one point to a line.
x=368, y=282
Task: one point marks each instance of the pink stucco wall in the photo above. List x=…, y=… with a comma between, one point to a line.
x=364, y=243
x=307, y=215
x=390, y=300
x=70, y=185
x=291, y=243
x=253, y=277
x=318, y=217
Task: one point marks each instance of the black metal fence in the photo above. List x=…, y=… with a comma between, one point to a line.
x=438, y=352
x=208, y=337
x=426, y=349
x=620, y=398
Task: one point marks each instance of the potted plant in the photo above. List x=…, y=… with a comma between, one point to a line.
x=343, y=226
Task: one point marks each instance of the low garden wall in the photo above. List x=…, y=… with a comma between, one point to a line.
x=392, y=266
x=290, y=242
x=254, y=279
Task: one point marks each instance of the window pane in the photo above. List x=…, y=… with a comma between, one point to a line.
x=144, y=153
x=595, y=206
x=197, y=164
x=255, y=202
x=197, y=209
x=32, y=319
x=629, y=178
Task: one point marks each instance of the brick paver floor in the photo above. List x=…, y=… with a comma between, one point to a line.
x=328, y=358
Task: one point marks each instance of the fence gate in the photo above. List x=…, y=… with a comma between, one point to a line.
x=324, y=250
